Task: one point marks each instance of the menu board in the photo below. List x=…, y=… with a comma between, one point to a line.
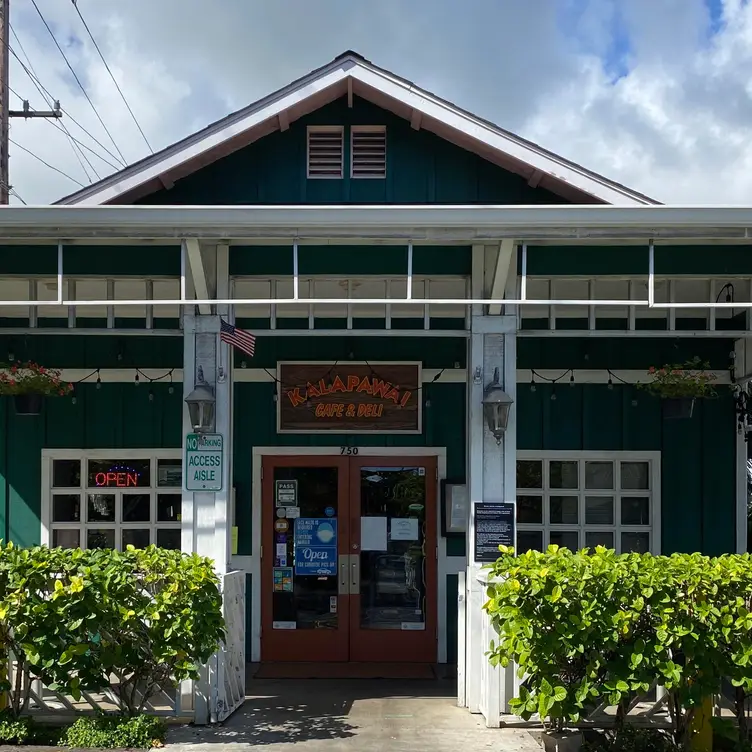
x=494, y=527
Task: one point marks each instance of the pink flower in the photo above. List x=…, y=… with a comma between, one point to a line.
x=651, y=369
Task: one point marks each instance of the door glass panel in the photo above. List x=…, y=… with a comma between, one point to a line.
x=303, y=542
x=565, y=539
x=393, y=555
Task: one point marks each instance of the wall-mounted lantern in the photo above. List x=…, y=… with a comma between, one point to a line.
x=201, y=403
x=496, y=406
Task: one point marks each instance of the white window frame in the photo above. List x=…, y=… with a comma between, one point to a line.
x=366, y=129
x=82, y=455
x=654, y=528
x=325, y=129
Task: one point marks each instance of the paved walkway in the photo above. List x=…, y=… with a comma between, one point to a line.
x=368, y=716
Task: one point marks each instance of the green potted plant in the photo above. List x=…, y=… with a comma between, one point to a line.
x=680, y=385
x=29, y=383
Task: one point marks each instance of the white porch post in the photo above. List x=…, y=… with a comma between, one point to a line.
x=491, y=478
x=205, y=515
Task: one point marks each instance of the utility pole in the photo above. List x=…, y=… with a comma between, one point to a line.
x=5, y=112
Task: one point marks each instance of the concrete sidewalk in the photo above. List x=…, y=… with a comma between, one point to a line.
x=368, y=716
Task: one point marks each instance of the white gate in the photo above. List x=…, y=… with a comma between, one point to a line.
x=228, y=681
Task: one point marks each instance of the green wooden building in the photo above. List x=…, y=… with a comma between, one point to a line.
x=388, y=252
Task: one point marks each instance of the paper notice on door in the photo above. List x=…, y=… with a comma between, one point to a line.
x=404, y=529
x=373, y=534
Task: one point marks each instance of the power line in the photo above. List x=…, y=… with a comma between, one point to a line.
x=78, y=153
x=47, y=164
x=70, y=117
x=78, y=81
x=114, y=80
x=81, y=145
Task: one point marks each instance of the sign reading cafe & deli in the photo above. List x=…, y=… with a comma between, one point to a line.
x=349, y=397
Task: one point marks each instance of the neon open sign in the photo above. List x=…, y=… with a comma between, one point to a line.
x=117, y=477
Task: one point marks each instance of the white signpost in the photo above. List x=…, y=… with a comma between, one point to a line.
x=204, y=461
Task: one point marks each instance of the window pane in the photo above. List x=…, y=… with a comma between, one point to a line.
x=100, y=538
x=529, y=474
x=599, y=538
x=529, y=540
x=530, y=510
x=137, y=537
x=635, y=510
x=66, y=538
x=563, y=510
x=635, y=476
x=136, y=507
x=599, y=510
x=169, y=473
x=66, y=508
x=565, y=539
x=635, y=543
x=563, y=474
x=169, y=539
x=119, y=474
x=66, y=473
x=168, y=507
x=101, y=508
x=599, y=475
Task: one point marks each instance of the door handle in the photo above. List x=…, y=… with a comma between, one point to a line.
x=343, y=583
x=355, y=574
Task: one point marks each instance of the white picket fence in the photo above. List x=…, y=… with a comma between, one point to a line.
x=222, y=682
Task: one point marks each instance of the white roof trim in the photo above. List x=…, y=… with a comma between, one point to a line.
x=338, y=72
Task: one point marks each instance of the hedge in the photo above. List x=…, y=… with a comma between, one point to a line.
x=596, y=626
x=75, y=618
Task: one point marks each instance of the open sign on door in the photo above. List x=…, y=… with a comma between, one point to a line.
x=315, y=546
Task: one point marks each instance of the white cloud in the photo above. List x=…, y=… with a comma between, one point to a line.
x=677, y=126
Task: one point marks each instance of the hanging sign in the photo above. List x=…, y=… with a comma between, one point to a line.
x=349, y=397
x=204, y=461
x=315, y=546
x=494, y=527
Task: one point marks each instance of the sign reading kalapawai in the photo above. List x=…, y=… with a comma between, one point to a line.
x=349, y=397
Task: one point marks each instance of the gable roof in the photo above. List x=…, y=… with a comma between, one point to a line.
x=350, y=74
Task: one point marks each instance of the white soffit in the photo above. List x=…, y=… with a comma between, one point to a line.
x=350, y=72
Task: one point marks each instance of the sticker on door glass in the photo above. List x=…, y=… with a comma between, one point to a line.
x=290, y=512
x=283, y=579
x=413, y=626
x=315, y=546
x=332, y=604
x=281, y=526
x=286, y=493
x=284, y=625
x=281, y=512
x=329, y=511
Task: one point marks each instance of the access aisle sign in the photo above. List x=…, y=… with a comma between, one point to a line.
x=204, y=462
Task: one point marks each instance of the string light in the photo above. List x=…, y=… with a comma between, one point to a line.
x=571, y=379
x=151, y=395
x=99, y=380
x=137, y=381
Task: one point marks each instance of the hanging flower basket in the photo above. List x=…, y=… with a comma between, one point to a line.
x=28, y=404
x=678, y=407
x=679, y=386
x=29, y=384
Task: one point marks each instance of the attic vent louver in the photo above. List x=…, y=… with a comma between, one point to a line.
x=368, y=151
x=325, y=152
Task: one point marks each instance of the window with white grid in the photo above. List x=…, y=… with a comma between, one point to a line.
x=587, y=499
x=112, y=499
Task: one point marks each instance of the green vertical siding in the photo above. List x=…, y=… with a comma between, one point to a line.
x=421, y=168
x=698, y=461
x=116, y=416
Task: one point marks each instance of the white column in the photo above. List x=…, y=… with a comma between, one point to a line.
x=491, y=478
x=206, y=515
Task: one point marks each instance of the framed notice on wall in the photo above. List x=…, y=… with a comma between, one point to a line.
x=349, y=397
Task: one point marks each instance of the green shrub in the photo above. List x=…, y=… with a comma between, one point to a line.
x=116, y=732
x=74, y=618
x=631, y=739
x=588, y=627
x=15, y=731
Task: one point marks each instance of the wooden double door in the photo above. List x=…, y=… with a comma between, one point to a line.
x=349, y=559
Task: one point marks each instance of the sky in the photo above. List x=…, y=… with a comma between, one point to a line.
x=655, y=94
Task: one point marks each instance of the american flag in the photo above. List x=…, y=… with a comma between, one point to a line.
x=239, y=338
